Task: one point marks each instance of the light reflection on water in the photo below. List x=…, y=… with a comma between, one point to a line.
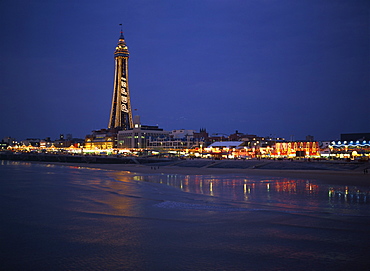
x=279, y=192
x=72, y=218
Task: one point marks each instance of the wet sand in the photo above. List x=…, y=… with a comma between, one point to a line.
x=66, y=217
x=345, y=177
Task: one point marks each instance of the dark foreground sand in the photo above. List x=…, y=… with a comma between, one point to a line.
x=347, y=177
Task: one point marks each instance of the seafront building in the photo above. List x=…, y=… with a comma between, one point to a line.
x=103, y=139
x=266, y=148
x=150, y=139
x=350, y=149
x=170, y=143
x=139, y=135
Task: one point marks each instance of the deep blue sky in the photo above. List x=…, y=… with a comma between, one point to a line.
x=260, y=67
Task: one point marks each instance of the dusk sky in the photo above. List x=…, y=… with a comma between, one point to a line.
x=284, y=68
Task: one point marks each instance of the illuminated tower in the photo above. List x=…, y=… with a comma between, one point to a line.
x=121, y=114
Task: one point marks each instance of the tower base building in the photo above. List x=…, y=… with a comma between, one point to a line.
x=139, y=136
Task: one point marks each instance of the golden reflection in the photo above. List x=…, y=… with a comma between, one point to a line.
x=138, y=178
x=246, y=189
x=122, y=202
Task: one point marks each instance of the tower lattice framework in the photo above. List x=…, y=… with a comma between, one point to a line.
x=121, y=114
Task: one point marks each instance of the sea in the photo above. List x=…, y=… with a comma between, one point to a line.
x=62, y=217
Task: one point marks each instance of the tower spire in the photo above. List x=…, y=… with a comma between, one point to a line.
x=121, y=37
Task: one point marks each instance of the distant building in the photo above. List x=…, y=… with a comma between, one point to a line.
x=31, y=142
x=46, y=143
x=296, y=149
x=177, y=139
x=168, y=142
x=182, y=133
x=10, y=141
x=203, y=136
x=63, y=142
x=350, y=149
x=226, y=144
x=324, y=148
x=310, y=138
x=139, y=136
x=236, y=136
x=3, y=145
x=223, y=149
x=101, y=139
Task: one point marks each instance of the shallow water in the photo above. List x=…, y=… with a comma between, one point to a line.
x=71, y=218
x=288, y=195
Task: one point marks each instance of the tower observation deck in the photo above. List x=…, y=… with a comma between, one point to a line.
x=121, y=114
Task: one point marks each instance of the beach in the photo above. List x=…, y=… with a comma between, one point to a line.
x=67, y=216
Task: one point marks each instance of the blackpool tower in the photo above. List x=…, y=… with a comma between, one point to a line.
x=120, y=113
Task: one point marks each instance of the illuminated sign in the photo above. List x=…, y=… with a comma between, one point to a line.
x=124, y=98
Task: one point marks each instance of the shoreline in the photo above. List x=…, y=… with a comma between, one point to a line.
x=345, y=177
